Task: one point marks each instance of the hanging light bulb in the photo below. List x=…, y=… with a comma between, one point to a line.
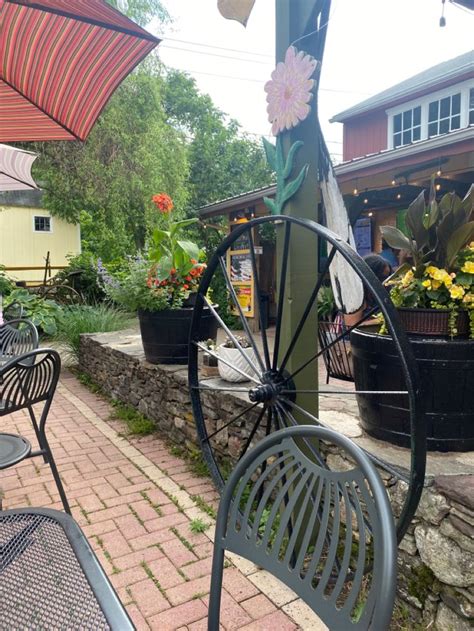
x=355, y=191
x=394, y=182
x=399, y=196
x=438, y=187
x=370, y=214
x=366, y=201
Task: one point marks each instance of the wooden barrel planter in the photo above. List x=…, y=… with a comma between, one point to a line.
x=447, y=382
x=165, y=334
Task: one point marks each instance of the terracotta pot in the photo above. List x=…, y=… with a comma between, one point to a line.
x=432, y=321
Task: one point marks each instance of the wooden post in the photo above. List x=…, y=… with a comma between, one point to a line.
x=293, y=20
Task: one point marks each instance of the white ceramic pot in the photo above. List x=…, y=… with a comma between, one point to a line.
x=234, y=356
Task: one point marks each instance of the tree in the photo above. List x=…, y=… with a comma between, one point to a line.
x=130, y=154
x=223, y=162
x=142, y=11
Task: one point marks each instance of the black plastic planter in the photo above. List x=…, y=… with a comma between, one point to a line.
x=447, y=387
x=165, y=334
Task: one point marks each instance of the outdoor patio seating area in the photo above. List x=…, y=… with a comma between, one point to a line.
x=134, y=501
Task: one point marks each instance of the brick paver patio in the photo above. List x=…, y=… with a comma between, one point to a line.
x=136, y=501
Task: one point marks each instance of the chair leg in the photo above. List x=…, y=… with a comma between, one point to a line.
x=56, y=476
x=37, y=431
x=216, y=589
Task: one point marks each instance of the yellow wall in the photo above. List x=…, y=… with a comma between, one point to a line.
x=21, y=246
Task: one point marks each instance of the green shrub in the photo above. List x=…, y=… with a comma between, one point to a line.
x=6, y=284
x=82, y=275
x=79, y=319
x=44, y=313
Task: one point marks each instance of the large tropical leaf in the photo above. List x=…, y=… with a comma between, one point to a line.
x=462, y=236
x=184, y=223
x=190, y=248
x=414, y=221
x=396, y=239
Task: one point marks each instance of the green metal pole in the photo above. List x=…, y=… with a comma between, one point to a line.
x=292, y=22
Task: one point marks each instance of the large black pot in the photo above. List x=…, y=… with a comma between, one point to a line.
x=165, y=334
x=447, y=387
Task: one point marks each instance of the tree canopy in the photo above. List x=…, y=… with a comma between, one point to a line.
x=158, y=133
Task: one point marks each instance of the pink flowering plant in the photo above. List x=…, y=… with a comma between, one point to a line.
x=289, y=93
x=168, y=274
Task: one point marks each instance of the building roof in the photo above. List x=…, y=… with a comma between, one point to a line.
x=457, y=67
x=237, y=202
x=29, y=199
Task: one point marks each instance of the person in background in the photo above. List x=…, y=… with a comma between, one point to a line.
x=389, y=255
x=382, y=269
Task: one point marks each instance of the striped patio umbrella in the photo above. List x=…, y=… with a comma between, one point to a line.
x=60, y=61
x=15, y=169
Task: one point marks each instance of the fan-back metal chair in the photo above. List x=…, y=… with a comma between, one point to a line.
x=328, y=535
x=17, y=337
x=51, y=578
x=25, y=381
x=14, y=311
x=335, y=351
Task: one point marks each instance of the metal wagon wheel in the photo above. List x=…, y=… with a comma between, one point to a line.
x=270, y=399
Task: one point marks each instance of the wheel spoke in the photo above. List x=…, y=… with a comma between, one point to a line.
x=232, y=420
x=263, y=331
x=281, y=294
x=309, y=306
x=224, y=361
x=232, y=337
x=252, y=433
x=332, y=343
x=347, y=392
x=211, y=388
x=236, y=302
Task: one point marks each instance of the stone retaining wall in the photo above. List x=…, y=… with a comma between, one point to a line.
x=436, y=557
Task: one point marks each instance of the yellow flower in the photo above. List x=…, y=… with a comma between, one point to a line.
x=456, y=292
x=468, y=267
x=406, y=280
x=426, y=283
x=442, y=276
x=435, y=284
x=468, y=298
x=431, y=270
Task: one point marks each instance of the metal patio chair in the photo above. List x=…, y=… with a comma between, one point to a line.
x=25, y=381
x=328, y=535
x=335, y=352
x=14, y=311
x=17, y=337
x=50, y=576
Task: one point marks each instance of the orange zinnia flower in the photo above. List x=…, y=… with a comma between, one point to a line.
x=163, y=202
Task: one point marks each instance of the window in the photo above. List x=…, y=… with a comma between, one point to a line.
x=471, y=107
x=43, y=224
x=444, y=115
x=407, y=127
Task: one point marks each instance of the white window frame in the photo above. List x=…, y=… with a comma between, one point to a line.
x=403, y=130
x=424, y=101
x=470, y=109
x=50, y=231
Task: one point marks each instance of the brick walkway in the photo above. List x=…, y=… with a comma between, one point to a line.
x=134, y=500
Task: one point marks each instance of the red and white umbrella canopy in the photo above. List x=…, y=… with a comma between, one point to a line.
x=60, y=61
x=15, y=169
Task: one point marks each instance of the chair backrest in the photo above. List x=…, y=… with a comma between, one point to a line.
x=328, y=535
x=29, y=379
x=17, y=337
x=336, y=355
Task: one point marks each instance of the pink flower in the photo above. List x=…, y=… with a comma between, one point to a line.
x=289, y=91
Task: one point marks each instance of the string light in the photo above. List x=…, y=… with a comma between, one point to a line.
x=394, y=182
x=438, y=187
x=366, y=201
x=399, y=196
x=355, y=191
x=370, y=214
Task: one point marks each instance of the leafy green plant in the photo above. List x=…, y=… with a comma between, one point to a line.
x=136, y=423
x=79, y=319
x=6, y=284
x=44, y=313
x=82, y=274
x=198, y=526
x=326, y=303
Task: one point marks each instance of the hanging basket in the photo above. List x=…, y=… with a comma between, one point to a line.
x=432, y=322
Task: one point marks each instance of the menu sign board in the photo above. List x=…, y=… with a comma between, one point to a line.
x=239, y=266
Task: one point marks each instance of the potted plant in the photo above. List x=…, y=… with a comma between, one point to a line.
x=209, y=362
x=435, y=295
x=229, y=352
x=160, y=287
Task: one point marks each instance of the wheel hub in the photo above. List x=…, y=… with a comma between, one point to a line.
x=269, y=391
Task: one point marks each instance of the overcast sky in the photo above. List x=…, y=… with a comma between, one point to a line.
x=371, y=45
